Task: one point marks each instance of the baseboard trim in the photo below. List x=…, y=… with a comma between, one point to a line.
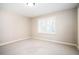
x=10, y=42
x=59, y=42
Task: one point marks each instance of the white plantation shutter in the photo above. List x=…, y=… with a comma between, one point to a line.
x=46, y=26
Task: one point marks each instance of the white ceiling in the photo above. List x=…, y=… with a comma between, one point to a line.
x=38, y=9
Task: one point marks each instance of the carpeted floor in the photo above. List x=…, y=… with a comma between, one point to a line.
x=37, y=47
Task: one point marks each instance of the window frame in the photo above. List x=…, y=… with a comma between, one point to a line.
x=40, y=32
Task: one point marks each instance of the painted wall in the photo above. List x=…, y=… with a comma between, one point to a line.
x=66, y=26
x=13, y=27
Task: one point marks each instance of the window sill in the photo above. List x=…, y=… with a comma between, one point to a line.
x=48, y=33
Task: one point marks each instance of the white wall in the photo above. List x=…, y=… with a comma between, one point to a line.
x=66, y=26
x=13, y=26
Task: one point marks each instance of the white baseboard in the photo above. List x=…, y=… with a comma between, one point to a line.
x=10, y=42
x=59, y=42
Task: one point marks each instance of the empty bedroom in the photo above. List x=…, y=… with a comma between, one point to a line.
x=39, y=29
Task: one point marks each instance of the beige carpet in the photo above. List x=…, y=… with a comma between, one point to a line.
x=37, y=47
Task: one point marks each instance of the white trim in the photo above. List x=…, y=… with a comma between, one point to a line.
x=10, y=42
x=47, y=33
x=59, y=42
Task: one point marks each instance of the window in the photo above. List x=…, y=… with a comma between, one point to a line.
x=46, y=26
